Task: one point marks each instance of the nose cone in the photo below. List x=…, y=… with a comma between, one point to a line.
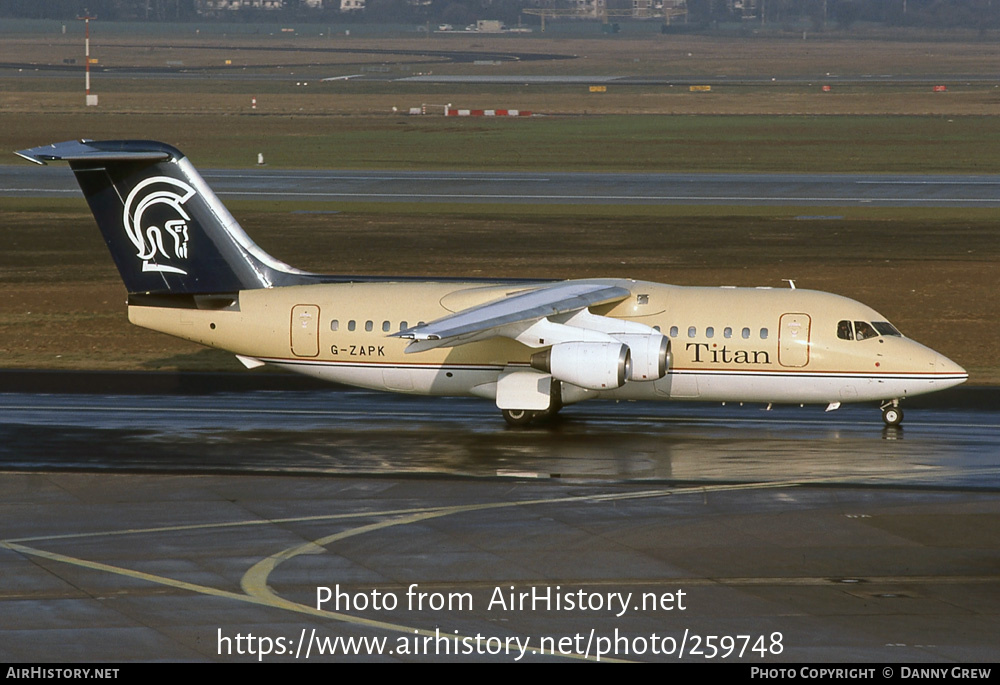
x=947, y=373
x=926, y=370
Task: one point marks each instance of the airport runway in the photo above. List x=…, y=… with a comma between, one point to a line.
x=366, y=56
x=142, y=527
x=830, y=190
x=700, y=79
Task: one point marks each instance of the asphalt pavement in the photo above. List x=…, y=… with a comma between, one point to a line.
x=827, y=190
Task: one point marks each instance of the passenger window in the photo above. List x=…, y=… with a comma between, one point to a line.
x=727, y=332
x=710, y=332
x=334, y=325
x=369, y=326
x=385, y=326
x=863, y=330
x=351, y=325
x=692, y=331
x=746, y=333
x=673, y=331
x=763, y=334
x=845, y=331
x=403, y=326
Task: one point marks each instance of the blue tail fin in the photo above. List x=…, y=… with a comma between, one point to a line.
x=166, y=229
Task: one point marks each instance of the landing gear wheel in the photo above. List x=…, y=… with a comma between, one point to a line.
x=547, y=414
x=517, y=417
x=892, y=416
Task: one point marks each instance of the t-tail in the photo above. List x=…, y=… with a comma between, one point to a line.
x=166, y=229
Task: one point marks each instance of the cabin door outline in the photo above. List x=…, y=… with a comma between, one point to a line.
x=304, y=330
x=794, y=330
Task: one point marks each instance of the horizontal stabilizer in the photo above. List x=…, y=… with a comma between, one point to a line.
x=88, y=150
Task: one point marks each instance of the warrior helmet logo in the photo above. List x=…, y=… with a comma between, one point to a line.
x=157, y=223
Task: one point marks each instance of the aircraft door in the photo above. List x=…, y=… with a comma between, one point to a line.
x=793, y=340
x=304, y=331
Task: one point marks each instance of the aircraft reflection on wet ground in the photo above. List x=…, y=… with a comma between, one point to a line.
x=361, y=432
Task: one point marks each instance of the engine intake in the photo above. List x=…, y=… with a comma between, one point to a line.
x=650, y=355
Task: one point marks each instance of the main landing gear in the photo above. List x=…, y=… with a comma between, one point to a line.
x=892, y=414
x=518, y=417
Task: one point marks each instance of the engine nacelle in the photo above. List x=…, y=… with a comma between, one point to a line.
x=650, y=355
x=593, y=365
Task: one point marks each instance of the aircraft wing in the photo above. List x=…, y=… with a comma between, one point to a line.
x=512, y=316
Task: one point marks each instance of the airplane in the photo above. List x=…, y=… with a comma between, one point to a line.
x=531, y=346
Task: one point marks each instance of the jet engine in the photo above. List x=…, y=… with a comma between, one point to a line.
x=593, y=365
x=650, y=355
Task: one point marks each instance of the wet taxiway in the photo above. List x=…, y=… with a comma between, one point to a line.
x=352, y=431
x=177, y=526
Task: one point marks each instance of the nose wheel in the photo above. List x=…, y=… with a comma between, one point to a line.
x=892, y=414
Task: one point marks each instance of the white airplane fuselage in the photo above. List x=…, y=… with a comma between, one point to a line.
x=727, y=344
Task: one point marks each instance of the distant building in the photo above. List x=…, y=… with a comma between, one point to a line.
x=641, y=9
x=636, y=9
x=236, y=5
x=590, y=8
x=211, y=6
x=745, y=9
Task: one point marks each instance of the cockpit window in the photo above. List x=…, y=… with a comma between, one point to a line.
x=864, y=330
x=886, y=328
x=845, y=331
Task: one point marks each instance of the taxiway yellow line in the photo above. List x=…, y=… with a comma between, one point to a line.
x=254, y=582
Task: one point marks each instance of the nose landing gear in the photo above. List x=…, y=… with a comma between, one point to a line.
x=892, y=414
